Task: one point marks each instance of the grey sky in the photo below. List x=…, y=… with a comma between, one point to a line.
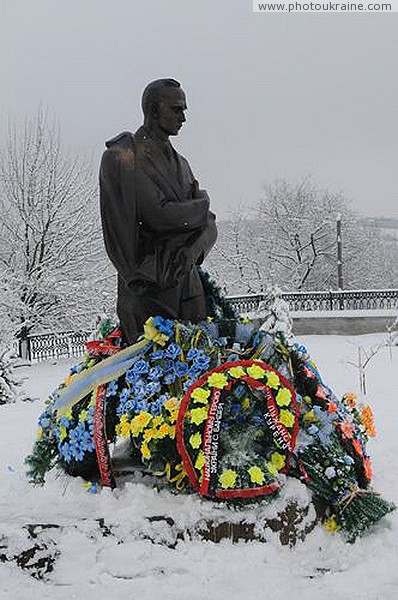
x=281, y=95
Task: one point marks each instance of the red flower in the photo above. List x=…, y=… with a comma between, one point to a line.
x=332, y=407
x=347, y=430
x=368, y=468
x=357, y=447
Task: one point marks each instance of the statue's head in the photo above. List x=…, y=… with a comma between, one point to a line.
x=163, y=104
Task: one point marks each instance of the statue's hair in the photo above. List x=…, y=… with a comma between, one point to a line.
x=153, y=93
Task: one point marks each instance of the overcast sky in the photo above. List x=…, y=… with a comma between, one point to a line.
x=269, y=96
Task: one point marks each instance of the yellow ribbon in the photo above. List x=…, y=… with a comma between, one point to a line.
x=178, y=479
x=350, y=496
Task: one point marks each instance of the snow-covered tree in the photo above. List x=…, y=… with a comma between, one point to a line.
x=50, y=241
x=289, y=239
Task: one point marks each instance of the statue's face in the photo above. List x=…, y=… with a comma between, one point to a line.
x=170, y=110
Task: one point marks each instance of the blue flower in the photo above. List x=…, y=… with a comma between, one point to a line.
x=324, y=434
x=181, y=368
x=125, y=395
x=313, y=429
x=192, y=354
x=301, y=350
x=131, y=376
x=322, y=416
x=187, y=384
x=44, y=421
x=169, y=367
x=157, y=355
x=139, y=387
x=163, y=325
x=155, y=373
x=87, y=443
x=202, y=361
x=193, y=372
x=142, y=405
x=156, y=407
x=65, y=451
x=348, y=460
x=173, y=350
x=111, y=389
x=151, y=388
x=128, y=406
x=169, y=378
x=77, y=452
x=141, y=367
x=257, y=419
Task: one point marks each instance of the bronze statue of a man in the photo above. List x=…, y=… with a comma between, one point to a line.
x=156, y=221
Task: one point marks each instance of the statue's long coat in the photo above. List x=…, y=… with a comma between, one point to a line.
x=157, y=228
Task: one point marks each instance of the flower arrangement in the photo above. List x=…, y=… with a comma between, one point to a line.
x=236, y=429
x=331, y=451
x=222, y=408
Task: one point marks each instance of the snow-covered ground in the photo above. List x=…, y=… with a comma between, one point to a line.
x=93, y=565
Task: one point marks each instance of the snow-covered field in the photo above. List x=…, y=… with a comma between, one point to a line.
x=93, y=565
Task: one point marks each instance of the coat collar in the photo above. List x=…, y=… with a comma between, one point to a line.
x=153, y=150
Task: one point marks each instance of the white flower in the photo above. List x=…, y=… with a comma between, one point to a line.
x=330, y=472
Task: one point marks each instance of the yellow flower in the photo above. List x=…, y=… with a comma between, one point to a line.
x=195, y=440
x=163, y=431
x=256, y=372
x=173, y=416
x=157, y=421
x=331, y=525
x=200, y=395
x=62, y=433
x=227, y=479
x=140, y=422
x=145, y=451
x=83, y=415
x=309, y=416
x=284, y=397
x=172, y=431
x=273, y=380
x=217, y=380
x=351, y=399
x=39, y=433
x=171, y=404
x=272, y=469
x=245, y=403
x=256, y=475
x=237, y=372
x=124, y=426
x=151, y=333
x=278, y=461
x=286, y=418
x=149, y=434
x=200, y=461
x=368, y=421
x=198, y=415
x=68, y=380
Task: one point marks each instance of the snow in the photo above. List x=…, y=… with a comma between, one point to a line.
x=121, y=565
